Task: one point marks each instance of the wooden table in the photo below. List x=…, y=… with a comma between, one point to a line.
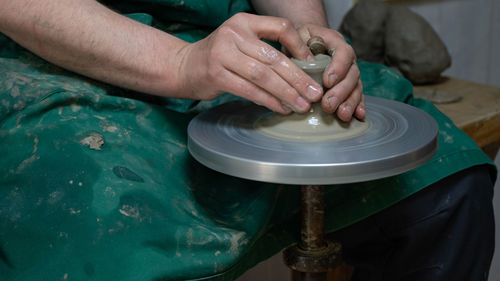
x=477, y=112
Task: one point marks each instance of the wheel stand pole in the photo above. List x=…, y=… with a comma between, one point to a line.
x=314, y=255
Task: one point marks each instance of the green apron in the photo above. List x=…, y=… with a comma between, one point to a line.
x=96, y=182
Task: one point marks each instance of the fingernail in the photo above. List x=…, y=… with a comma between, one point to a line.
x=334, y=102
x=301, y=104
x=346, y=108
x=332, y=79
x=313, y=92
x=310, y=58
x=361, y=111
x=287, y=108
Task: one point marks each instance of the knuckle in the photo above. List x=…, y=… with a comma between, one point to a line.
x=214, y=54
x=341, y=92
x=244, y=89
x=226, y=31
x=350, y=51
x=289, y=94
x=338, y=34
x=354, y=99
x=214, y=72
x=256, y=72
x=356, y=72
x=217, y=48
x=240, y=16
x=285, y=25
x=360, y=87
x=270, y=55
x=346, y=52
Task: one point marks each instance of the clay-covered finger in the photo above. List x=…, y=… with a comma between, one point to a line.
x=339, y=93
x=282, y=31
x=348, y=108
x=360, y=111
x=284, y=68
x=264, y=77
x=342, y=61
x=241, y=87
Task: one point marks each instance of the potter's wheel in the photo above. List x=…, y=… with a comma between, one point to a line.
x=229, y=139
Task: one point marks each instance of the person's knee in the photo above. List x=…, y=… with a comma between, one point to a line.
x=443, y=225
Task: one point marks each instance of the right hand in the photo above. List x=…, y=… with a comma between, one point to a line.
x=342, y=78
x=234, y=59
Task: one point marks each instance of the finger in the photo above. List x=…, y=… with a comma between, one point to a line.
x=346, y=110
x=266, y=78
x=342, y=60
x=304, y=33
x=341, y=91
x=282, y=31
x=245, y=89
x=282, y=66
x=360, y=111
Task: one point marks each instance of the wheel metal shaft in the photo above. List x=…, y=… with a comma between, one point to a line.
x=313, y=255
x=312, y=235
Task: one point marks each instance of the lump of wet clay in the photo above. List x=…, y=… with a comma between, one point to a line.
x=364, y=25
x=413, y=47
x=397, y=37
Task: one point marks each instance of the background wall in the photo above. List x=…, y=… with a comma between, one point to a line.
x=471, y=31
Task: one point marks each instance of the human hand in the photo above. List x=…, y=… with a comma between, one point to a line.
x=234, y=59
x=341, y=77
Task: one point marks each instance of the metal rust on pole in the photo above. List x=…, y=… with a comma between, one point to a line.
x=313, y=216
x=313, y=255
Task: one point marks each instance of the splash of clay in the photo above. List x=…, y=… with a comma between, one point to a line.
x=94, y=141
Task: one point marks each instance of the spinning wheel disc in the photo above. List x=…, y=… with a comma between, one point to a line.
x=399, y=138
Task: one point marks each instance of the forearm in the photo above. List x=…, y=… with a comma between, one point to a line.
x=90, y=39
x=300, y=12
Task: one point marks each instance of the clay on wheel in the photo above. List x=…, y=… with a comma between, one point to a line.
x=316, y=125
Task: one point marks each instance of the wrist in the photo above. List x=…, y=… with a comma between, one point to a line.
x=168, y=78
x=319, y=21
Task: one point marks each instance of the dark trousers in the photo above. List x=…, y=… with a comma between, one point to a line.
x=444, y=232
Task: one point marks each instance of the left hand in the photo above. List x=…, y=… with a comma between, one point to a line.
x=342, y=77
